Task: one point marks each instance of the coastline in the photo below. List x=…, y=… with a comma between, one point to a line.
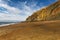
x=6, y=24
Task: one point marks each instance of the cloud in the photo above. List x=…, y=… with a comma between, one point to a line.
x=8, y=17
x=10, y=9
x=14, y=13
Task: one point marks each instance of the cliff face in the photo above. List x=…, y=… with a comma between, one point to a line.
x=51, y=12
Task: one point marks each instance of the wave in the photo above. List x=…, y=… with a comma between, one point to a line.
x=6, y=24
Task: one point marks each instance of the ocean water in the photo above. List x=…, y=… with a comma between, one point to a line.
x=1, y=23
x=6, y=23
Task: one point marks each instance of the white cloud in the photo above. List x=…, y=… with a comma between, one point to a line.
x=10, y=9
x=15, y=13
x=9, y=17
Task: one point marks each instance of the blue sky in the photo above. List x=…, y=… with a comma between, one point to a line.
x=19, y=10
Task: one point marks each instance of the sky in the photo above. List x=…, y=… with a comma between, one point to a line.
x=19, y=10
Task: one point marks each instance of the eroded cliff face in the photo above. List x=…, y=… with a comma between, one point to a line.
x=51, y=12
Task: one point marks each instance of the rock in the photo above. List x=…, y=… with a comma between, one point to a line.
x=52, y=12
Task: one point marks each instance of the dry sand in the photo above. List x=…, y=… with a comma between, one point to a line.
x=46, y=30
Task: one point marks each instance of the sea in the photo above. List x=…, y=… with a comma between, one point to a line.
x=6, y=23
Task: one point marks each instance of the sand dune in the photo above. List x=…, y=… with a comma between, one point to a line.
x=45, y=30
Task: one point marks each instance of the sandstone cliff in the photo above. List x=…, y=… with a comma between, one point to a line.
x=51, y=12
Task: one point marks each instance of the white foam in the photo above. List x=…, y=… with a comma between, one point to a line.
x=6, y=24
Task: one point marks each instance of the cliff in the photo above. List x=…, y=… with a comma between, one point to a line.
x=51, y=12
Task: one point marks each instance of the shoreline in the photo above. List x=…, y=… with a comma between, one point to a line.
x=6, y=24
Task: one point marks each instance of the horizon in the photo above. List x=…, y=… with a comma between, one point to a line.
x=19, y=10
